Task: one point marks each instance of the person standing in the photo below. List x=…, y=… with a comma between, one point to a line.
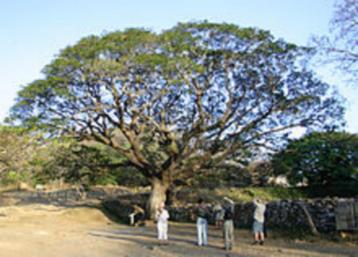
x=202, y=223
x=228, y=227
x=162, y=217
x=219, y=215
x=259, y=219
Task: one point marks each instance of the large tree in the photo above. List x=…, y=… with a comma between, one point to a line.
x=190, y=98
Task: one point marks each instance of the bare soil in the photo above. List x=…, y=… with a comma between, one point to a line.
x=40, y=230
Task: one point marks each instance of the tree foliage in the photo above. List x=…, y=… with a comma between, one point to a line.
x=191, y=97
x=16, y=149
x=84, y=163
x=29, y=157
x=260, y=172
x=325, y=158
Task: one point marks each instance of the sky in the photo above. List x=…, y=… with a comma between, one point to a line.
x=32, y=32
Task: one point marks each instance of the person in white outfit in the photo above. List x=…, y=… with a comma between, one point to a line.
x=259, y=219
x=162, y=216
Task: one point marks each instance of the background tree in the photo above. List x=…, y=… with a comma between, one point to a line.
x=341, y=46
x=193, y=97
x=16, y=150
x=324, y=159
x=260, y=171
x=84, y=163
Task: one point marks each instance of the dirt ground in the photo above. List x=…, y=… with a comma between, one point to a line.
x=39, y=230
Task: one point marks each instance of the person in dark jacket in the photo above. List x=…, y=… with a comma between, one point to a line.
x=228, y=227
x=202, y=223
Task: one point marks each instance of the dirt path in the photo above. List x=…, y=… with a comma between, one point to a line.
x=49, y=231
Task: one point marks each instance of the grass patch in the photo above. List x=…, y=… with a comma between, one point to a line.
x=246, y=194
x=267, y=193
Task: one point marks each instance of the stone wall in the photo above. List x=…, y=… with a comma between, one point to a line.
x=284, y=214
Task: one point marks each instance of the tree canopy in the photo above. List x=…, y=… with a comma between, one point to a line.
x=191, y=97
x=326, y=158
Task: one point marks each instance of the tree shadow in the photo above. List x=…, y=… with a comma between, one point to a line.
x=181, y=245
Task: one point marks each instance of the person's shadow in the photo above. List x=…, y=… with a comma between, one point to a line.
x=183, y=244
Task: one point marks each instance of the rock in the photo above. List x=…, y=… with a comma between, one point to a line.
x=24, y=186
x=40, y=187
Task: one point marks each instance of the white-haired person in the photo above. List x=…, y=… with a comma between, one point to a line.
x=162, y=216
x=259, y=219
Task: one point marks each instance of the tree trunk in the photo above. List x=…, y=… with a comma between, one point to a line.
x=157, y=196
x=311, y=224
x=170, y=195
